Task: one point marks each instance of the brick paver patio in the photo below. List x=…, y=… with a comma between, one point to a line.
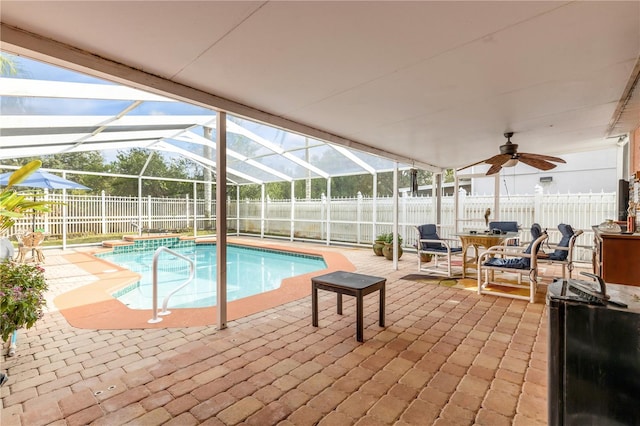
x=446, y=357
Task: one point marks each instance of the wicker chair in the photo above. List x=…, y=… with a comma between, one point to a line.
x=30, y=241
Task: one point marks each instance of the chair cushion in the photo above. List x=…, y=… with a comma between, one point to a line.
x=567, y=233
x=506, y=226
x=536, y=231
x=429, y=232
x=519, y=262
x=516, y=263
x=443, y=249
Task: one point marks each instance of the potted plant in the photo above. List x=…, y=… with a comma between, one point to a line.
x=22, y=286
x=387, y=250
x=22, y=289
x=378, y=244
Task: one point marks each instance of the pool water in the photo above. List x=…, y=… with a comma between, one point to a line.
x=249, y=271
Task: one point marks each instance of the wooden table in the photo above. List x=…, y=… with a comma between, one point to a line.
x=351, y=284
x=480, y=239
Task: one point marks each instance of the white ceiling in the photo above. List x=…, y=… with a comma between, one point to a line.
x=434, y=82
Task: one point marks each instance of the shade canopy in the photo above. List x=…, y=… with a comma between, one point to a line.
x=42, y=179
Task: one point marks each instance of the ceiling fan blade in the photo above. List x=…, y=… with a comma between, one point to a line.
x=498, y=160
x=536, y=162
x=543, y=157
x=470, y=165
x=494, y=169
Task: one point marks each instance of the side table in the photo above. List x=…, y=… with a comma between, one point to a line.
x=351, y=284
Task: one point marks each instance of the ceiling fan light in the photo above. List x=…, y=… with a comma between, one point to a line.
x=511, y=162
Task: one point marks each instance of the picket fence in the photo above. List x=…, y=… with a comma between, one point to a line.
x=356, y=220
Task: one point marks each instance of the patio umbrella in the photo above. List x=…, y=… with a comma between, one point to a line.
x=42, y=179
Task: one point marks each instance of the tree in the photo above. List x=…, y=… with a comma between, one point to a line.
x=9, y=67
x=132, y=163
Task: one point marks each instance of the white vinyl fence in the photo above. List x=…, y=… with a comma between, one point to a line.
x=356, y=220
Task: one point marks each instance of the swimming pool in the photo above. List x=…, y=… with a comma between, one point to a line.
x=249, y=271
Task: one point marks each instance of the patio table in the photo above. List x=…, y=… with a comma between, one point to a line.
x=477, y=240
x=351, y=284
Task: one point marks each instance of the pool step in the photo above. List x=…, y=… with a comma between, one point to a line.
x=128, y=240
x=116, y=243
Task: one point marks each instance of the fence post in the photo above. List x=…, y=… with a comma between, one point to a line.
x=262, y=208
x=186, y=209
x=358, y=217
x=292, y=216
x=462, y=198
x=537, y=204
x=195, y=210
x=403, y=215
x=149, y=215
x=323, y=204
x=329, y=199
x=103, y=211
x=45, y=225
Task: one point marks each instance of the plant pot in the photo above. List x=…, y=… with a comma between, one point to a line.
x=387, y=251
x=425, y=257
x=377, y=247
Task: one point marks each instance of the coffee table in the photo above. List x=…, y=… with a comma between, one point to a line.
x=351, y=284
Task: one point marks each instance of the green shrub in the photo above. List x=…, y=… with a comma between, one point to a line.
x=388, y=238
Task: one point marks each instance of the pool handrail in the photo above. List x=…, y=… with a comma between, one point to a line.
x=192, y=269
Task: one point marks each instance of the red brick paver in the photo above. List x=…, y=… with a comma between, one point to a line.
x=446, y=356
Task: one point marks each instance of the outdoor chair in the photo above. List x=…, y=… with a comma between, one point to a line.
x=30, y=241
x=508, y=261
x=536, y=231
x=440, y=250
x=507, y=226
x=563, y=250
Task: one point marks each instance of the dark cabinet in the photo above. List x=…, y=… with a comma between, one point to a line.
x=594, y=357
x=616, y=257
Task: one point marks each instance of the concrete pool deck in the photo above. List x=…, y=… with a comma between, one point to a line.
x=93, y=306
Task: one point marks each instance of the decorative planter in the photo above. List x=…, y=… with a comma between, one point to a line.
x=387, y=251
x=377, y=247
x=425, y=257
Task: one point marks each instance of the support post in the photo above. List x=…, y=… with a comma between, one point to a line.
x=221, y=218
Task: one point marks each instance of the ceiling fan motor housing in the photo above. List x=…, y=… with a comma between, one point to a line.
x=509, y=148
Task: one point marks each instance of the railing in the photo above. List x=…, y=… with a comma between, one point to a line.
x=165, y=302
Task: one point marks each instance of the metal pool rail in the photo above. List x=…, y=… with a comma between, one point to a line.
x=192, y=270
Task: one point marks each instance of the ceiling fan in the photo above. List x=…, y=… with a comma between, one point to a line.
x=509, y=157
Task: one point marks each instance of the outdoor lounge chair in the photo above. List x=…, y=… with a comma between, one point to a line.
x=439, y=249
x=30, y=241
x=508, y=261
x=563, y=251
